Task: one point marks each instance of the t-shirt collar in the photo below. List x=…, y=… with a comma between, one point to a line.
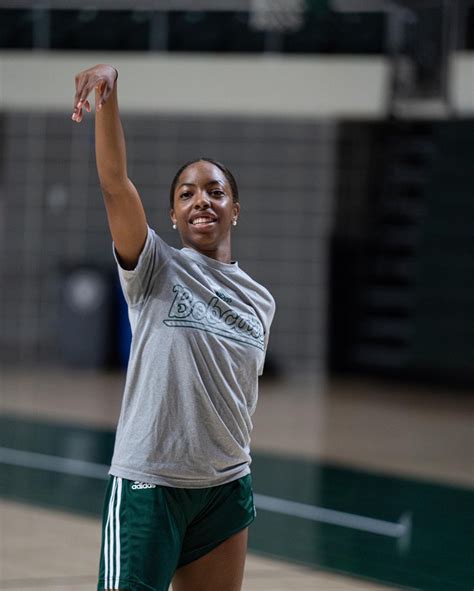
x=210, y=262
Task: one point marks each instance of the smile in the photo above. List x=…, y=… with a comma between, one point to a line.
x=202, y=220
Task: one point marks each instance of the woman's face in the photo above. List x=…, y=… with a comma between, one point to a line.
x=203, y=208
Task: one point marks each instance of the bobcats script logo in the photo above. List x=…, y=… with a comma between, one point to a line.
x=191, y=312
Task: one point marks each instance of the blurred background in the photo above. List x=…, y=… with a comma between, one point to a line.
x=349, y=125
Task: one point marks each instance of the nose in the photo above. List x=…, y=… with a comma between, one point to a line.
x=201, y=200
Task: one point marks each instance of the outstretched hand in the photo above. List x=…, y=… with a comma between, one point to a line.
x=101, y=77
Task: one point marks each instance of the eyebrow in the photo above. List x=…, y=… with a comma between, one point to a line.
x=212, y=182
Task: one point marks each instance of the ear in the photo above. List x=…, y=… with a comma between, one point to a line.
x=236, y=209
x=173, y=216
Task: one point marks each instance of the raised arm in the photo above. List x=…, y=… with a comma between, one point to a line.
x=127, y=221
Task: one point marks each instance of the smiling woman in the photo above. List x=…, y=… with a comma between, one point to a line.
x=203, y=207
x=179, y=498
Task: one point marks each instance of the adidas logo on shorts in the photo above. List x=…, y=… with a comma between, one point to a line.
x=137, y=485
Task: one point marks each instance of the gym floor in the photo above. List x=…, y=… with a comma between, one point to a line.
x=360, y=485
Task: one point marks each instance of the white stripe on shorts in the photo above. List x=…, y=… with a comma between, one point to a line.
x=109, y=539
x=117, y=534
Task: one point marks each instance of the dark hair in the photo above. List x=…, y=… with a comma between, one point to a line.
x=228, y=175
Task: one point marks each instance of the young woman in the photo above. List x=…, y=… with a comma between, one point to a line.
x=179, y=498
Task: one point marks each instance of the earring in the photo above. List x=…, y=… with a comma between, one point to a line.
x=234, y=222
x=174, y=226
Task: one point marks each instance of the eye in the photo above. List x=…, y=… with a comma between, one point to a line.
x=185, y=194
x=217, y=193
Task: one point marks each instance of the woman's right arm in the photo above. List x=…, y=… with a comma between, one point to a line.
x=125, y=213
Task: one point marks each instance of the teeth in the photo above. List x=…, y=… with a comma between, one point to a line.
x=202, y=221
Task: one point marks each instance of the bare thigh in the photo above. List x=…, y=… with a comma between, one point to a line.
x=221, y=569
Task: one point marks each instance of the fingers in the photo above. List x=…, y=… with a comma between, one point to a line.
x=80, y=98
x=77, y=113
x=98, y=78
x=106, y=91
x=81, y=88
x=84, y=86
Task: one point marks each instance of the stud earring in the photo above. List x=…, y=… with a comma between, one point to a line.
x=174, y=226
x=234, y=222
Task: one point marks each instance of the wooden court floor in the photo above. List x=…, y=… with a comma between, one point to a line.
x=395, y=429
x=49, y=550
x=401, y=432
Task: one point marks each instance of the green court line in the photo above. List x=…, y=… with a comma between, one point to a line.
x=298, y=504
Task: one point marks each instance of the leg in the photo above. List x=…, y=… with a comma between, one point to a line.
x=221, y=569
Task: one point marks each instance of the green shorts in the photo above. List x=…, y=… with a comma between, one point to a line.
x=149, y=531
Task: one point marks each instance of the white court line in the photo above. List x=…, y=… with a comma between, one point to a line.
x=32, y=459
x=314, y=513
x=29, y=459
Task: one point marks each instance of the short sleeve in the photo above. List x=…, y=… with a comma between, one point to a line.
x=271, y=314
x=137, y=283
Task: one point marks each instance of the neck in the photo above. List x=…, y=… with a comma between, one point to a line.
x=221, y=252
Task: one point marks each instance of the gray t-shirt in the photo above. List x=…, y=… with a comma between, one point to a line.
x=200, y=331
